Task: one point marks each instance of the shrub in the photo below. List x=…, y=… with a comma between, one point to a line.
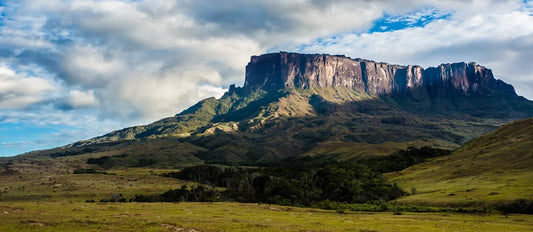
x=522, y=206
x=115, y=197
x=84, y=171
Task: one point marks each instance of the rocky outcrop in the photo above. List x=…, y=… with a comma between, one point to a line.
x=292, y=70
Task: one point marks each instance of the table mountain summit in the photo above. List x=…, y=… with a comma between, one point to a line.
x=292, y=70
x=294, y=105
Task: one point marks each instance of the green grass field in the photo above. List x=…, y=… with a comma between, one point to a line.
x=52, y=180
x=45, y=196
x=76, y=216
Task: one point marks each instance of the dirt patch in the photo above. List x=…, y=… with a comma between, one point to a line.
x=127, y=215
x=174, y=228
x=32, y=223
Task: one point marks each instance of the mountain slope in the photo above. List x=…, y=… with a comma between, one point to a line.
x=458, y=88
x=494, y=167
x=297, y=105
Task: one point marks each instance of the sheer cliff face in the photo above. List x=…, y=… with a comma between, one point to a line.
x=291, y=70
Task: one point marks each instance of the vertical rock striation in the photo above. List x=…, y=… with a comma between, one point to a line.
x=292, y=70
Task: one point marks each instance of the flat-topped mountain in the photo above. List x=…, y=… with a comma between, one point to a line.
x=295, y=105
x=272, y=72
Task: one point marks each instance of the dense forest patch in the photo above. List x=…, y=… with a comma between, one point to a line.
x=305, y=181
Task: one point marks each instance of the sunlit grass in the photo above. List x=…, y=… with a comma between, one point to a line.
x=66, y=216
x=493, y=168
x=54, y=183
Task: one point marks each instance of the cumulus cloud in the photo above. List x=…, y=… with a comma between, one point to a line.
x=77, y=98
x=279, y=21
x=170, y=91
x=141, y=57
x=18, y=91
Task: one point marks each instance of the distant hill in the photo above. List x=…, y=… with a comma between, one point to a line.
x=495, y=167
x=309, y=104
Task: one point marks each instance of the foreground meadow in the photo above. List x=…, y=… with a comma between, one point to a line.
x=46, y=196
x=77, y=216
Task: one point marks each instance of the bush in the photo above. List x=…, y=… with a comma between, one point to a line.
x=87, y=171
x=522, y=206
x=403, y=159
x=115, y=197
x=147, y=198
x=84, y=171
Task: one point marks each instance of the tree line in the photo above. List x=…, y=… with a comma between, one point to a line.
x=308, y=181
x=298, y=186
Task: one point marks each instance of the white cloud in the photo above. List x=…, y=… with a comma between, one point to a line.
x=18, y=91
x=156, y=95
x=90, y=66
x=78, y=99
x=142, y=60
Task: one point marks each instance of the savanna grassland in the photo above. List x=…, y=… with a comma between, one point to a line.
x=46, y=196
x=79, y=216
x=52, y=180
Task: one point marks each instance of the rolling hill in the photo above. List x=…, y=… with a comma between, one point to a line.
x=493, y=168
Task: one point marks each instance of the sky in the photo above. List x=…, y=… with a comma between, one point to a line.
x=73, y=70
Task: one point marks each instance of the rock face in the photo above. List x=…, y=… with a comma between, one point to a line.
x=292, y=70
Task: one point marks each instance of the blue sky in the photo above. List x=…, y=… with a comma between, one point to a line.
x=72, y=70
x=418, y=18
x=21, y=137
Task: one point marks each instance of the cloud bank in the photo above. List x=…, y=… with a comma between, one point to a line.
x=86, y=63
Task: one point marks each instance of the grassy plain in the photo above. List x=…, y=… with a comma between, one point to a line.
x=45, y=196
x=76, y=216
x=52, y=180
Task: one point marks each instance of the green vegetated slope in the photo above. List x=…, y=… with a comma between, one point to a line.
x=265, y=127
x=493, y=168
